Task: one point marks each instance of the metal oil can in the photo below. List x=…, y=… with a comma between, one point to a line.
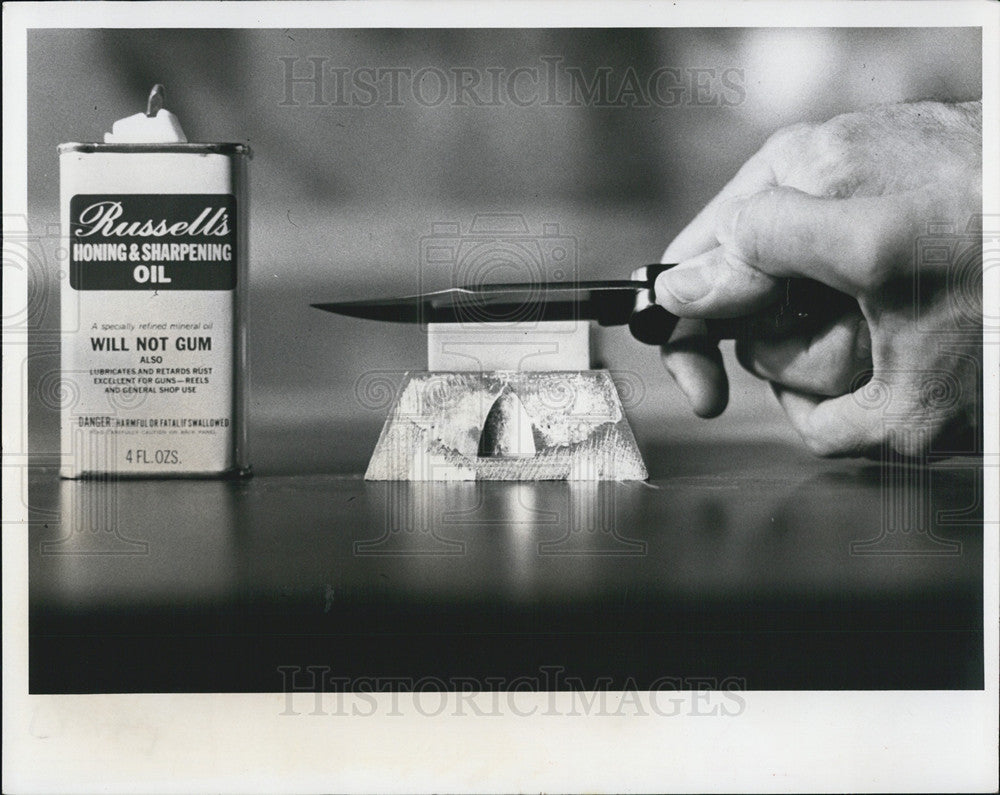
x=153, y=302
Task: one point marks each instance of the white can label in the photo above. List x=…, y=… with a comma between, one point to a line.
x=153, y=277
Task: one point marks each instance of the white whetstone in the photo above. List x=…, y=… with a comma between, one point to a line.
x=483, y=347
x=435, y=428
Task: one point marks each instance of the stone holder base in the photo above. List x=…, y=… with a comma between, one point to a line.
x=471, y=426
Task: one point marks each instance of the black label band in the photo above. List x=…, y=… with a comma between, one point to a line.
x=152, y=242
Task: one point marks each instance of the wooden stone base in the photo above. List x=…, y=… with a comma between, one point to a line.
x=506, y=425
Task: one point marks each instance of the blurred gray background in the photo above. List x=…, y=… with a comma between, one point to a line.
x=344, y=187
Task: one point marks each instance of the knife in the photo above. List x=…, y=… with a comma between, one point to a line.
x=630, y=302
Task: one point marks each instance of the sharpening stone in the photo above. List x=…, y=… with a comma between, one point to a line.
x=519, y=347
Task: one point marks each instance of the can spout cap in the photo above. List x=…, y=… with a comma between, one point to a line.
x=156, y=126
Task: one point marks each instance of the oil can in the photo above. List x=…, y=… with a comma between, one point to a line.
x=153, y=303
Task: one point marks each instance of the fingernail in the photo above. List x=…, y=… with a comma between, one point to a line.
x=686, y=285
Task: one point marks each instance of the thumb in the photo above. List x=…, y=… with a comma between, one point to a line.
x=838, y=242
x=783, y=232
x=715, y=284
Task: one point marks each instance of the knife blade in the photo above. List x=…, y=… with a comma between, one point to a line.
x=630, y=302
x=610, y=303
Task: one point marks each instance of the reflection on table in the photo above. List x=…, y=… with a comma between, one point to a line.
x=789, y=573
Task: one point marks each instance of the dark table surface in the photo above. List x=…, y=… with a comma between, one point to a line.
x=743, y=562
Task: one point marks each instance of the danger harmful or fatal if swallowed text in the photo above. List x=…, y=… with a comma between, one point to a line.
x=108, y=421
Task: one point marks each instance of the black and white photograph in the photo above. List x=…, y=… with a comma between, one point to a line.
x=543, y=397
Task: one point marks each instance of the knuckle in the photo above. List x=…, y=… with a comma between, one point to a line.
x=789, y=153
x=837, y=157
x=831, y=383
x=839, y=132
x=736, y=235
x=766, y=361
x=819, y=445
x=869, y=251
x=791, y=139
x=824, y=442
x=747, y=221
x=735, y=263
x=826, y=159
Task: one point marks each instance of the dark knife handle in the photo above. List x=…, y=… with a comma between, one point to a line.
x=805, y=302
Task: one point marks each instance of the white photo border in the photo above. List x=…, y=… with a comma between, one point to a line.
x=784, y=741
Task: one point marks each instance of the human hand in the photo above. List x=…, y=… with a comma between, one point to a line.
x=844, y=203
